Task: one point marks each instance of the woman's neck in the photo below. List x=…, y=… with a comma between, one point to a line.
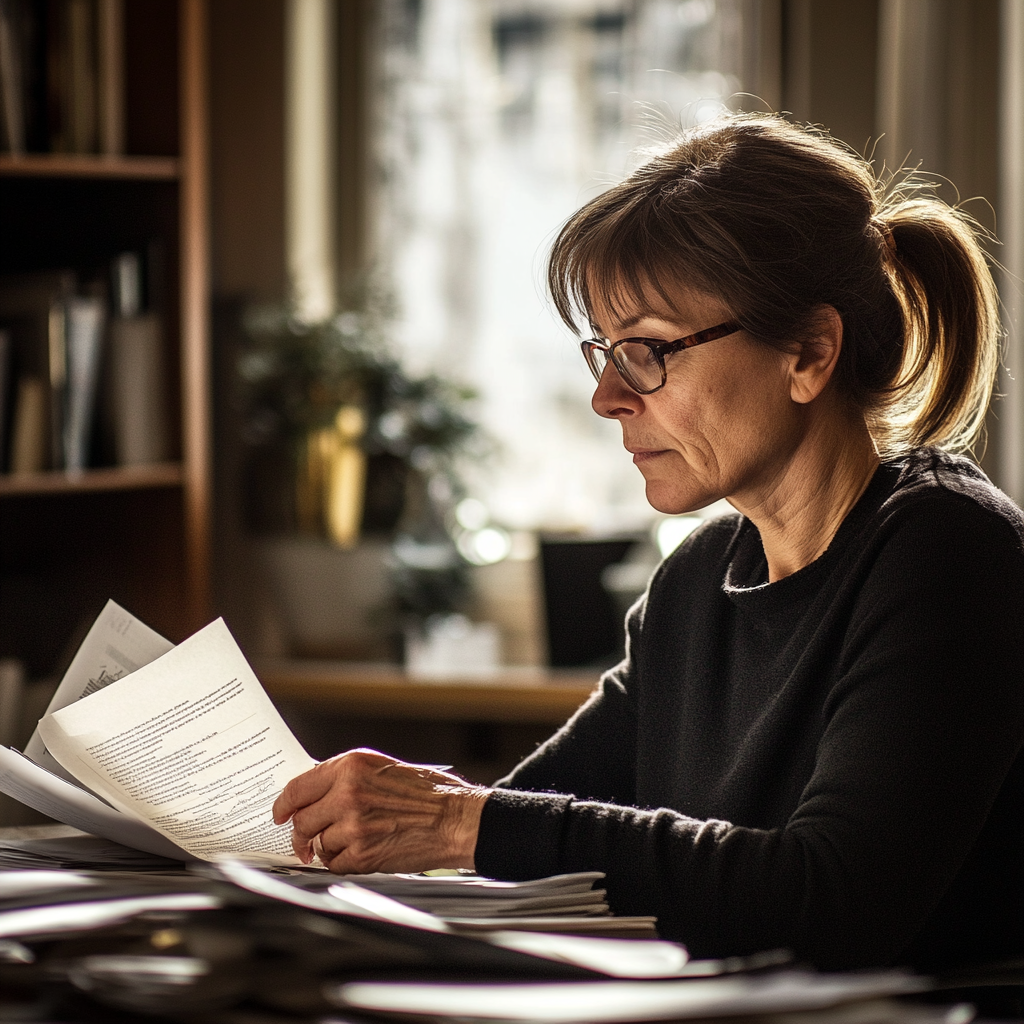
x=801, y=511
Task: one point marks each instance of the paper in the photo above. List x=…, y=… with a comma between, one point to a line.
x=577, y=903
x=603, y=1002
x=475, y=886
x=190, y=744
x=18, y=884
x=567, y=924
x=37, y=788
x=76, y=917
x=342, y=899
x=630, y=958
x=115, y=646
x=82, y=852
x=618, y=958
x=470, y=896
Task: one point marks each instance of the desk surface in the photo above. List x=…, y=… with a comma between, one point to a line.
x=513, y=695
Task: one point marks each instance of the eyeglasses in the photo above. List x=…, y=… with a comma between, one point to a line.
x=641, y=361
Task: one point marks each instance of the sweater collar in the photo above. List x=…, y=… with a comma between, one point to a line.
x=746, y=578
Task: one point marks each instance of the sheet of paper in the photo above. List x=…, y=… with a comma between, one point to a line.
x=345, y=898
x=614, y=1001
x=78, y=917
x=18, y=884
x=466, y=886
x=37, y=788
x=115, y=646
x=618, y=958
x=191, y=744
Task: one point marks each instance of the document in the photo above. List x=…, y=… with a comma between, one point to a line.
x=115, y=646
x=191, y=745
x=45, y=792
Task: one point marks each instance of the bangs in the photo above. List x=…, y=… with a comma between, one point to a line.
x=617, y=254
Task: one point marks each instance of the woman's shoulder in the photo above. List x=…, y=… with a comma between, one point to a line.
x=932, y=486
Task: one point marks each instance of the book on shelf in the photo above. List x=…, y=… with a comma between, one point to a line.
x=12, y=78
x=68, y=361
x=56, y=342
x=6, y=393
x=62, y=76
x=84, y=341
x=138, y=388
x=33, y=308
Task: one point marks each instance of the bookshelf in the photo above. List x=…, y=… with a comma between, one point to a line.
x=71, y=165
x=139, y=534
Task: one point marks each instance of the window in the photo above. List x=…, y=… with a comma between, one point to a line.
x=493, y=121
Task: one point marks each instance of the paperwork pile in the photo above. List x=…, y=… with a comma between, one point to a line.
x=227, y=942
x=567, y=903
x=71, y=849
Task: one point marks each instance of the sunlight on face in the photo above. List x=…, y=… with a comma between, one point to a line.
x=723, y=426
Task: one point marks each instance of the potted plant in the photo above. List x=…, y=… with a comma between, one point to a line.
x=347, y=451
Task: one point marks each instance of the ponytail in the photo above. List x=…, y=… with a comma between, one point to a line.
x=942, y=282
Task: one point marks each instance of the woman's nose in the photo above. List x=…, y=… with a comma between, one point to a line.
x=614, y=398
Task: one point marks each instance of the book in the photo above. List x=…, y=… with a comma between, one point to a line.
x=175, y=750
x=12, y=79
x=62, y=76
x=85, y=323
x=33, y=307
x=6, y=403
x=110, y=75
x=138, y=384
x=29, y=436
x=79, y=95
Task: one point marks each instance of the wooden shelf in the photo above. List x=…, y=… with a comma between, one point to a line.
x=118, y=478
x=62, y=165
x=384, y=691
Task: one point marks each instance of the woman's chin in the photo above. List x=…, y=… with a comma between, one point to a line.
x=674, y=500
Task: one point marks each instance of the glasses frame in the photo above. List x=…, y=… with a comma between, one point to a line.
x=658, y=349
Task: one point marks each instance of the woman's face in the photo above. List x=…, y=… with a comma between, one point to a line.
x=723, y=426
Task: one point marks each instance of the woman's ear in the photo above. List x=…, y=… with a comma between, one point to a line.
x=813, y=364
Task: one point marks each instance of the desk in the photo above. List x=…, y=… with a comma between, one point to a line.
x=482, y=726
x=513, y=696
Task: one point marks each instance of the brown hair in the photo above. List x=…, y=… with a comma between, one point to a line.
x=778, y=221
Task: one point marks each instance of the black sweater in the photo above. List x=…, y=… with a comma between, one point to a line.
x=830, y=763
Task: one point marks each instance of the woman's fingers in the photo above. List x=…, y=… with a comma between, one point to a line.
x=302, y=790
x=311, y=786
x=363, y=811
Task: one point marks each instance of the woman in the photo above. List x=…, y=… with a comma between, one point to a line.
x=814, y=740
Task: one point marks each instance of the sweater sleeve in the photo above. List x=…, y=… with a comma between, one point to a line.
x=920, y=732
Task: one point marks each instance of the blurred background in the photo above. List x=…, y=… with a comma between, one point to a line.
x=368, y=442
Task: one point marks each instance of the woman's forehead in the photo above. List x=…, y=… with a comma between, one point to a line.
x=619, y=309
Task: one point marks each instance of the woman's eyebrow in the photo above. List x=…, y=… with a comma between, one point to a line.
x=631, y=321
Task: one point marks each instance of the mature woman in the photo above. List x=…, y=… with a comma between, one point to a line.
x=814, y=740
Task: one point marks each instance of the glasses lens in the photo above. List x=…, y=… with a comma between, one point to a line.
x=638, y=365
x=597, y=358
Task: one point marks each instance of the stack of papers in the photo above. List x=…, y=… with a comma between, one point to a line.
x=567, y=903
x=78, y=851
x=205, y=943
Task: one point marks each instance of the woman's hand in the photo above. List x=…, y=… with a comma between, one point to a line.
x=363, y=811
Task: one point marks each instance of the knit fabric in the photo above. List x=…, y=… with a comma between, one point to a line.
x=830, y=763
